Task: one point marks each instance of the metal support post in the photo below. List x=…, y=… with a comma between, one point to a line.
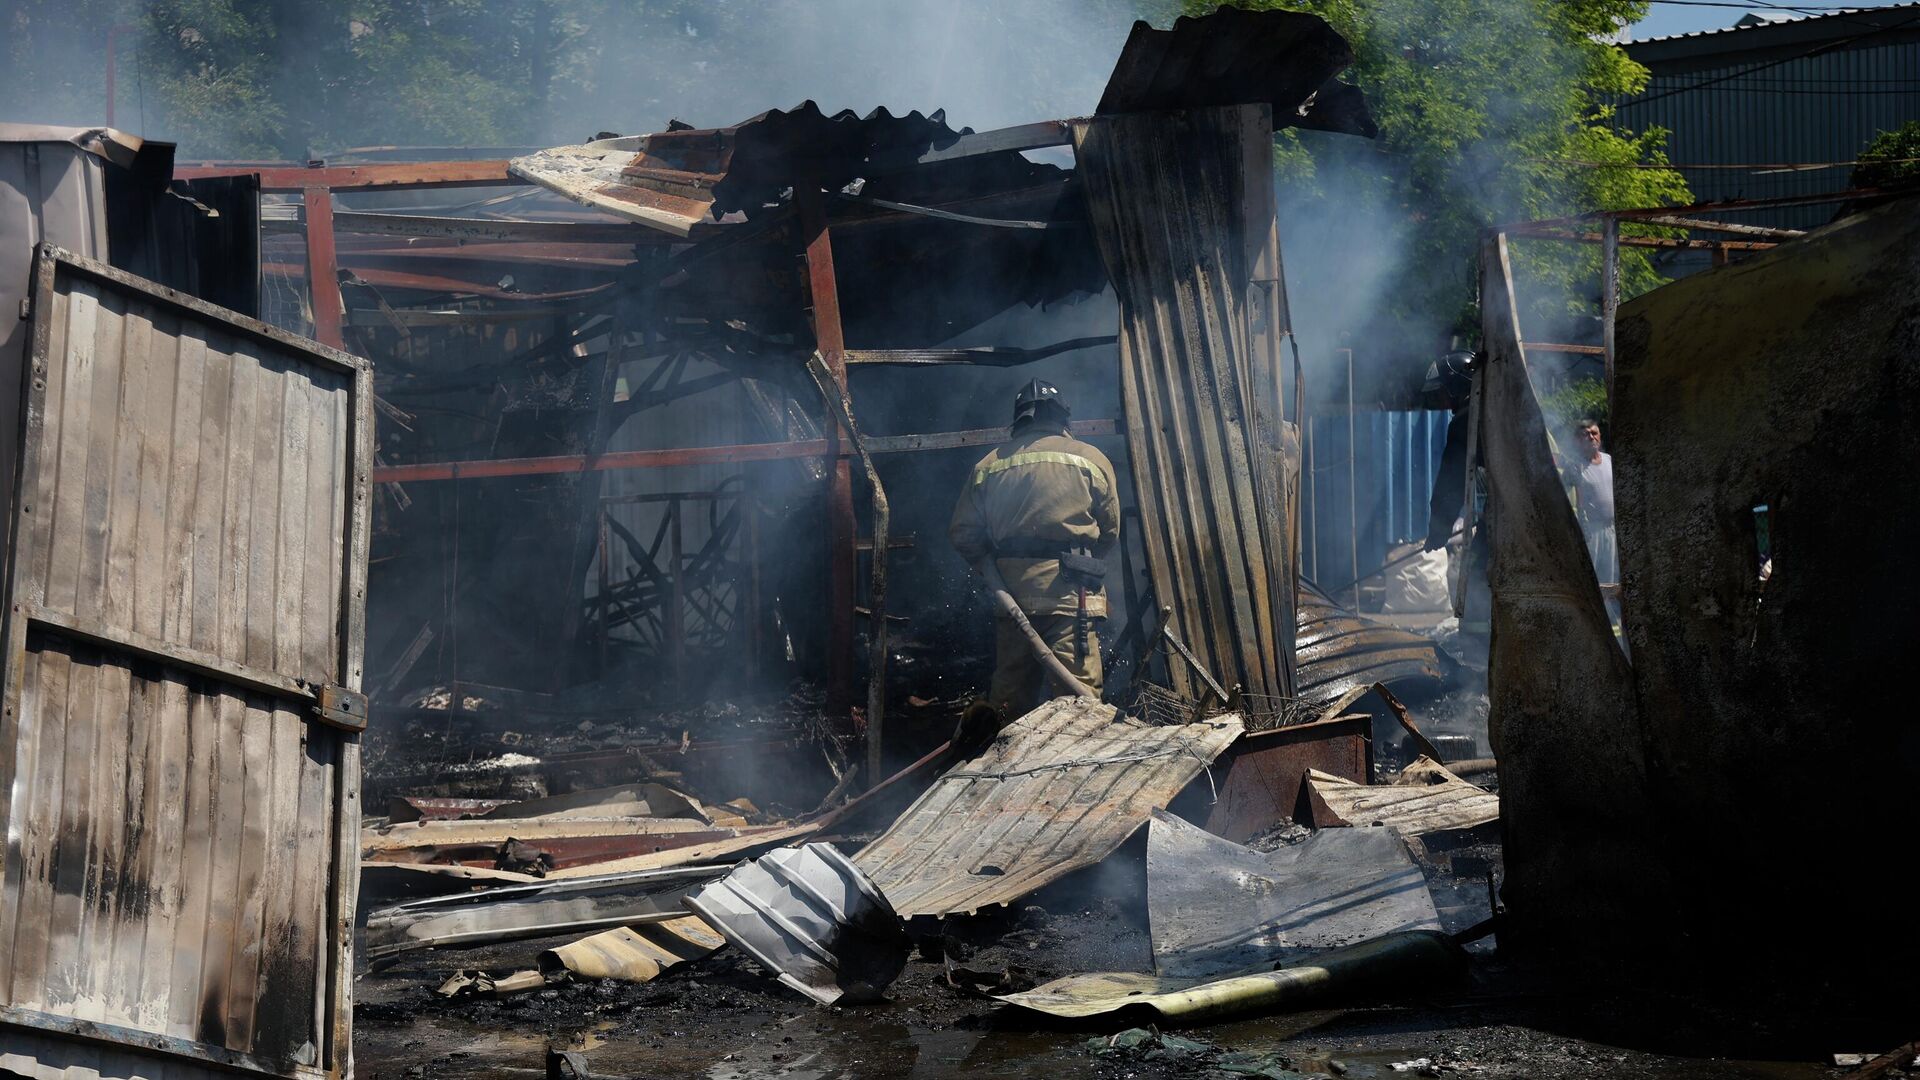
x=1353, y=489
x=842, y=566
x=1609, y=293
x=323, y=274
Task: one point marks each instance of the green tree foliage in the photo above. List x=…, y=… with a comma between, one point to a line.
x=288, y=78
x=1891, y=159
x=1582, y=399
x=1490, y=111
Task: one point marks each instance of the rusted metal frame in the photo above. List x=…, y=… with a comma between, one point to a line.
x=453, y=260
x=709, y=455
x=646, y=562
x=1727, y=227
x=644, y=621
x=498, y=229
x=1649, y=214
x=332, y=356
x=833, y=393
x=135, y=1041
x=428, y=283
x=386, y=177
x=829, y=340
x=587, y=486
x=701, y=573
x=1262, y=776
x=323, y=268
x=1531, y=232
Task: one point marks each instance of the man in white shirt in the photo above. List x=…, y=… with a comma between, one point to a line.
x=1593, y=485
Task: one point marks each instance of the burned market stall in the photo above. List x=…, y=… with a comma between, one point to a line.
x=615, y=507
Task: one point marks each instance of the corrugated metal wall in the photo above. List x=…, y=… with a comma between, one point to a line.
x=1820, y=108
x=1395, y=457
x=190, y=555
x=1181, y=203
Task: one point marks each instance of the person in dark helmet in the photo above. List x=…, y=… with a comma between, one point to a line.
x=1044, y=508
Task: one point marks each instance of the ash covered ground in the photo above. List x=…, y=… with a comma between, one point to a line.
x=724, y=1018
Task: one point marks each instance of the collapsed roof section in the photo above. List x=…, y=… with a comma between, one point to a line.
x=959, y=221
x=684, y=179
x=1285, y=59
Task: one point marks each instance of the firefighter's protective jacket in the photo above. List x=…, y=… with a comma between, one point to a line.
x=1039, y=487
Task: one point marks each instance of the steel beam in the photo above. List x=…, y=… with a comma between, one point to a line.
x=281, y=176
x=707, y=455
x=323, y=273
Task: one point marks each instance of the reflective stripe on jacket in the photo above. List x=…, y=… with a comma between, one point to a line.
x=1040, y=485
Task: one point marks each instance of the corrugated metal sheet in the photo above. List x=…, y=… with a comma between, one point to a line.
x=1337, y=650
x=52, y=190
x=1397, y=456
x=1803, y=108
x=188, y=571
x=680, y=179
x=1286, y=59
x=1060, y=789
x=1426, y=798
x=1181, y=203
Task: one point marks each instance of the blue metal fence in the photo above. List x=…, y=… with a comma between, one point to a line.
x=1387, y=490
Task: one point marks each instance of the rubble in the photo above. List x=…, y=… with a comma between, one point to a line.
x=1215, y=906
x=540, y=909
x=1229, y=845
x=1059, y=789
x=1396, y=963
x=634, y=953
x=1425, y=798
x=810, y=916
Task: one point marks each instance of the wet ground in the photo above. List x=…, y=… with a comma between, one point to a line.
x=723, y=1018
x=727, y=1020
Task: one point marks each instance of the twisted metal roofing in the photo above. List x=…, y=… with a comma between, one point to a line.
x=1059, y=789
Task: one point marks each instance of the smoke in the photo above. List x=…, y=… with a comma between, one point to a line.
x=989, y=64
x=260, y=79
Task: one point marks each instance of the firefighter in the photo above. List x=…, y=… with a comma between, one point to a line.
x=1043, y=507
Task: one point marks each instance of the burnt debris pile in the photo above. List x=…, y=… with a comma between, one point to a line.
x=522, y=614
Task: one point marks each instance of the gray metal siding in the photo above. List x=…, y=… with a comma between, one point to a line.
x=1179, y=209
x=1821, y=108
x=179, y=865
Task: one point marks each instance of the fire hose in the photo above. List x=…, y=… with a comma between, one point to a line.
x=1003, y=599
